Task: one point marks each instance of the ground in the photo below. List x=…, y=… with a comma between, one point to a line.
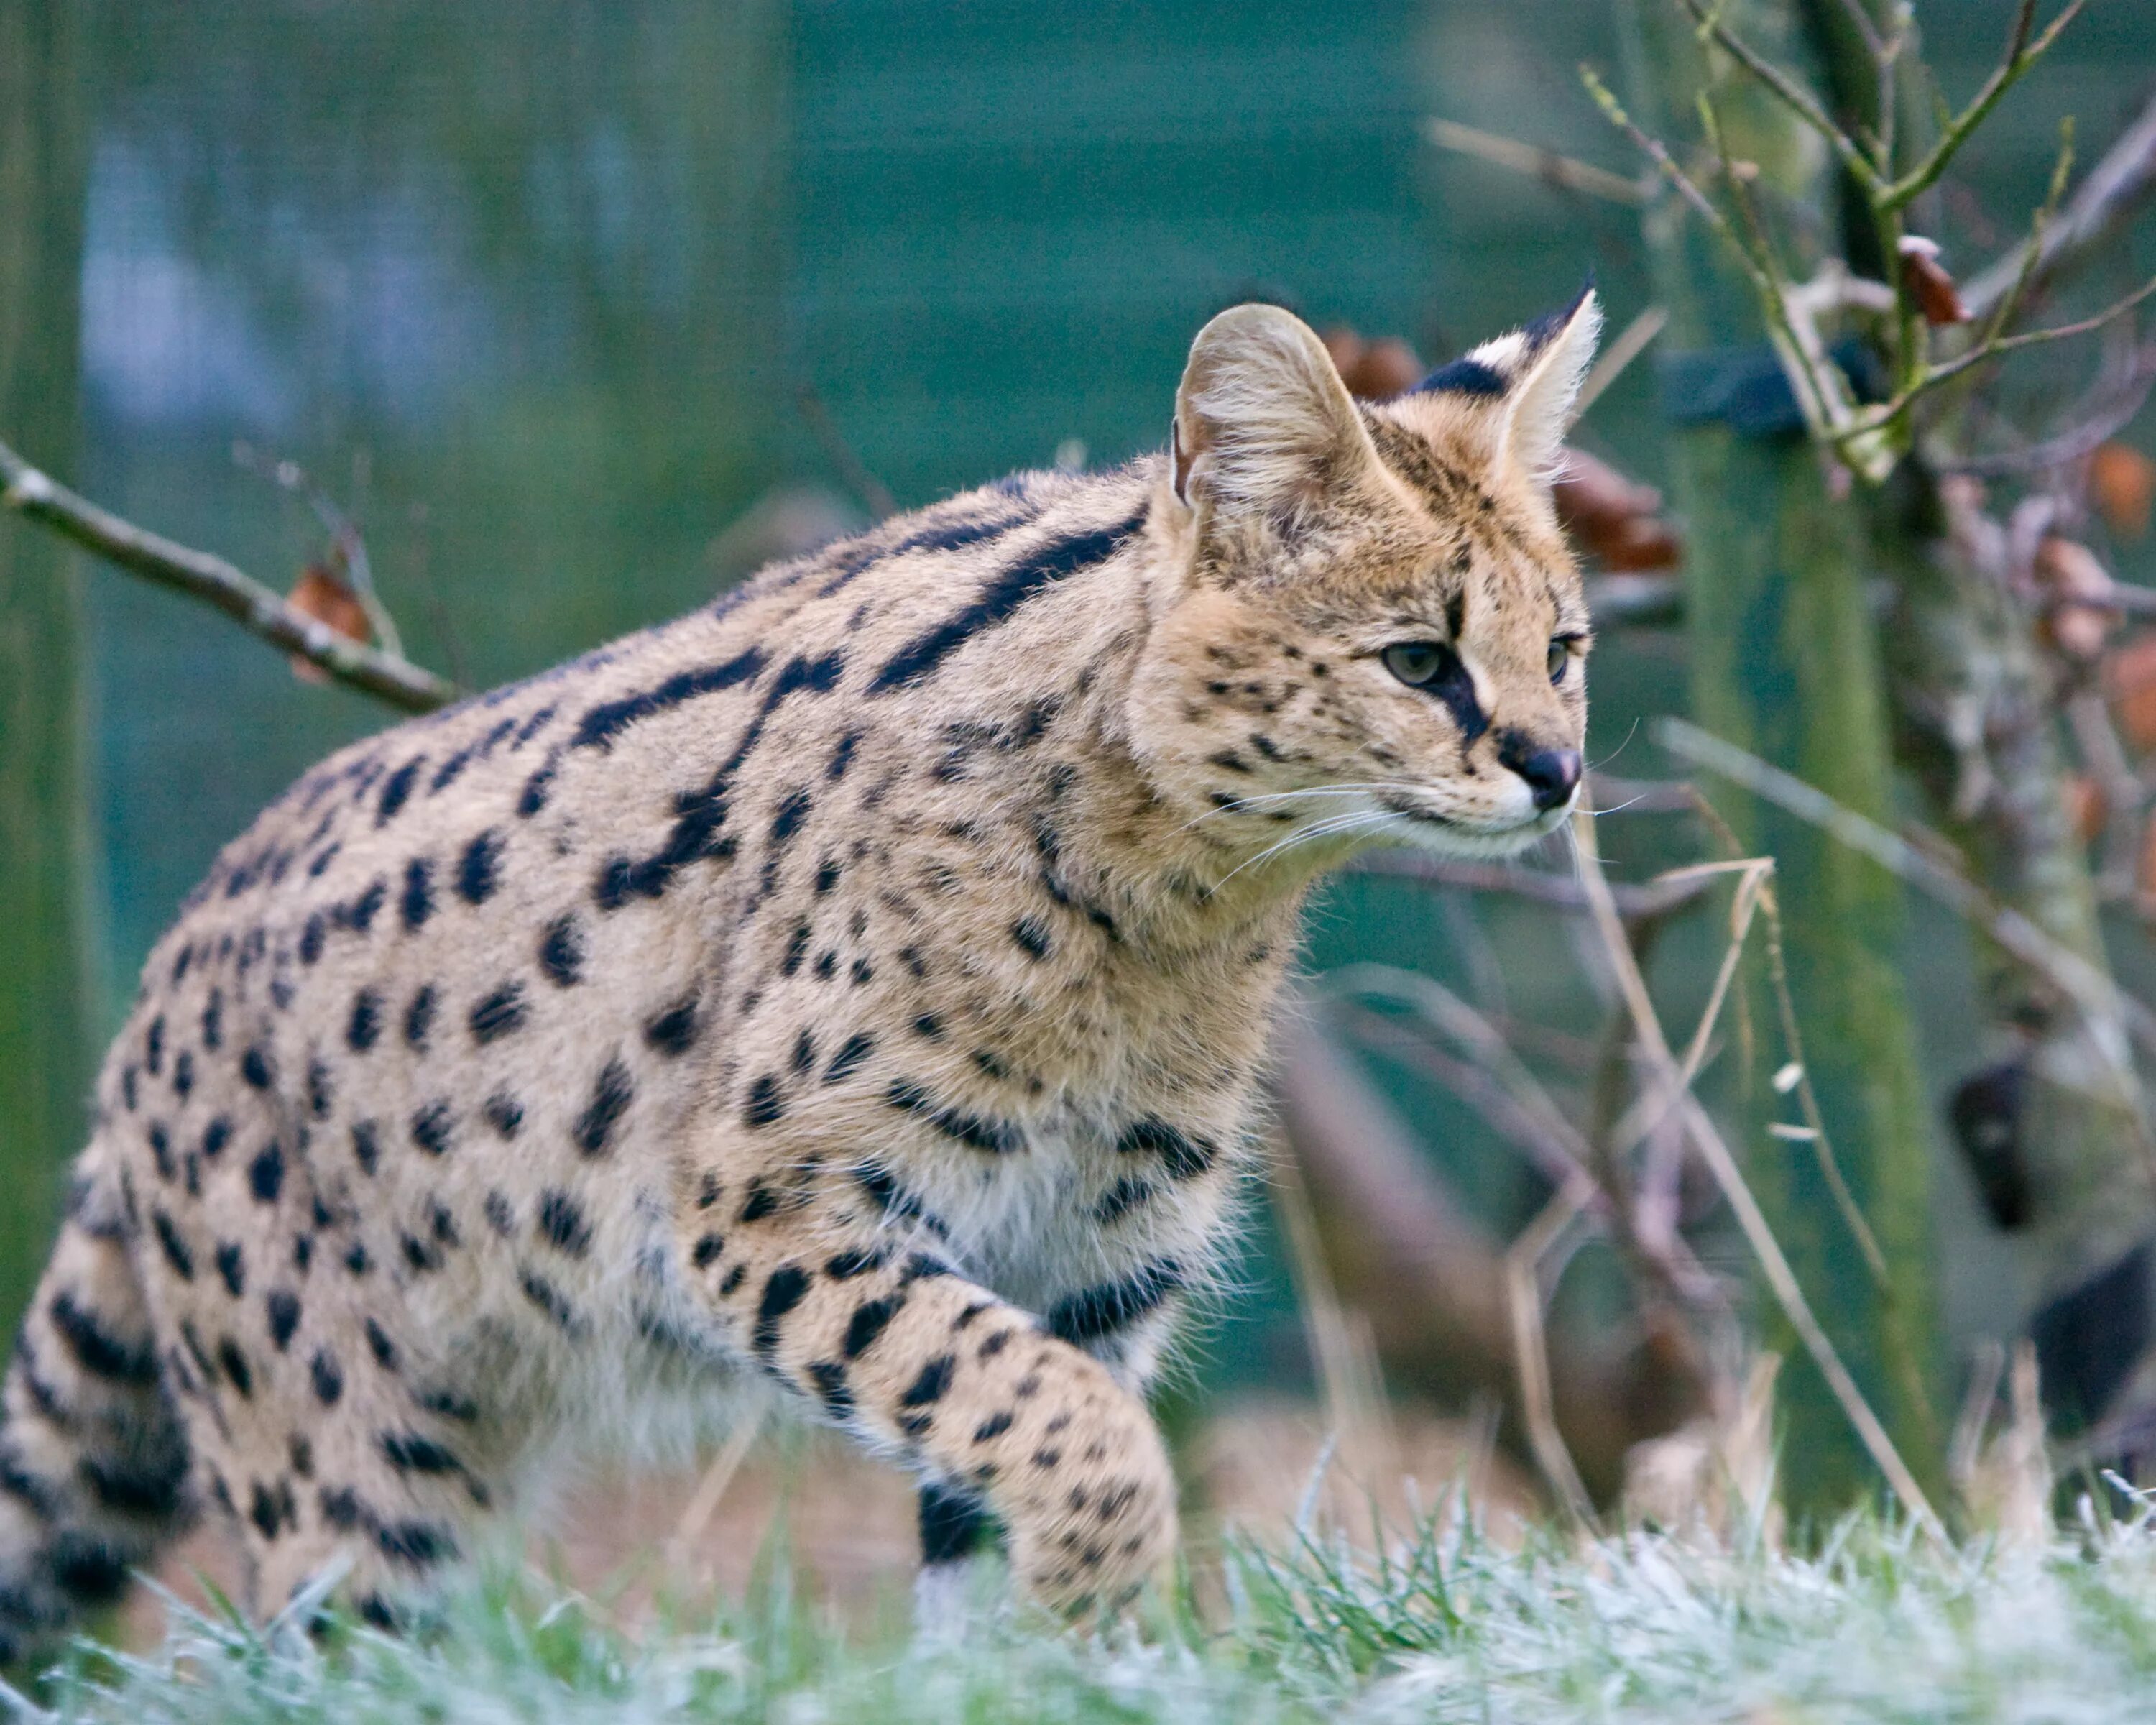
x=1485, y=1617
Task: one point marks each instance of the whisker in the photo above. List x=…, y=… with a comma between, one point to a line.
x=1619, y=750
x=1317, y=829
x=1258, y=798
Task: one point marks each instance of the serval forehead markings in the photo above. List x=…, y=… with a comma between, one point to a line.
x=862, y=983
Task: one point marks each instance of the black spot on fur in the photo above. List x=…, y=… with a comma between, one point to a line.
x=265, y=1175
x=934, y=1378
x=994, y=1426
x=499, y=1215
x=999, y=599
x=430, y=1127
x=417, y=903
x=1120, y=1199
x=828, y=1379
x=420, y=1016
x=504, y=1113
x=954, y=1525
x=233, y=1362
x=499, y=1013
x=854, y=1049
x=611, y=1095
x=397, y=790
x=783, y=1290
x=765, y=1104
x=562, y=1224
x=256, y=1068
x=1184, y=1157
x=365, y=1025
x=602, y=724
x=826, y=876
x=870, y=1319
x=673, y=1031
x=409, y=1452
x=479, y=871
x=562, y=952
x=175, y=1249
x=95, y=1349
x=1102, y=1310
x=843, y=756
x=550, y=1300
x=540, y=784
x=380, y=1347
x=997, y=1137
x=762, y=1201
x=365, y=1146
x=793, y=811
x=327, y=1378
x=232, y=1267
x=283, y=1309
x=418, y=1545
x=1032, y=936
x=707, y=1249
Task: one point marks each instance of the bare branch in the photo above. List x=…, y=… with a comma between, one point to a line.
x=1787, y=90
x=873, y=493
x=39, y=497
x=2122, y=182
x=1632, y=341
x=1564, y=172
x=2075, y=977
x=1706, y=1139
x=1657, y=898
x=2021, y=54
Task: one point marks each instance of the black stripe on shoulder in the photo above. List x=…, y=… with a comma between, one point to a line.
x=851, y=560
x=599, y=726
x=1055, y=561
x=1098, y=1311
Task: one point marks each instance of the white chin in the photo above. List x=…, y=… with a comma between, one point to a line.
x=1456, y=839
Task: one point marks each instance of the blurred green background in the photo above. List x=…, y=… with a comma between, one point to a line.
x=536, y=291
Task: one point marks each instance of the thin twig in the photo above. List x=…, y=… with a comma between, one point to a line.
x=1548, y=166
x=1531, y=1347
x=1786, y=89
x=2021, y=54
x=1656, y=898
x=39, y=497
x=873, y=493
x=1632, y=341
x=2123, y=180
x=2099, y=998
x=1707, y=1141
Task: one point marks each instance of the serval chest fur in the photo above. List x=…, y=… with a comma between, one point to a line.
x=860, y=987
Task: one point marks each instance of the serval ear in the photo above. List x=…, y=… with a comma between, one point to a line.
x=1263, y=424
x=1530, y=378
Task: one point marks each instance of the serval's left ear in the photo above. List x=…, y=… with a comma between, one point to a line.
x=1530, y=378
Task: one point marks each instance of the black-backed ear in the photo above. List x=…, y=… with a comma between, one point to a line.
x=1262, y=420
x=1531, y=377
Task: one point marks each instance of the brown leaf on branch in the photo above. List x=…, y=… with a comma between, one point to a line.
x=324, y=595
x=2078, y=621
x=1617, y=522
x=2129, y=684
x=2086, y=808
x=1929, y=284
x=1373, y=370
x=2122, y=484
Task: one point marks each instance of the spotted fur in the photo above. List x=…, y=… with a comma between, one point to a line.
x=858, y=988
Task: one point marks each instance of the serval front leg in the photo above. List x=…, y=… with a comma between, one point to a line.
x=887, y=1342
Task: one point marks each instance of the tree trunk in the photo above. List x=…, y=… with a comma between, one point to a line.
x=46, y=1019
x=2054, y=1132
x=1784, y=663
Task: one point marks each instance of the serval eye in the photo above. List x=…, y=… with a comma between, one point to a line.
x=1560, y=655
x=1418, y=664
